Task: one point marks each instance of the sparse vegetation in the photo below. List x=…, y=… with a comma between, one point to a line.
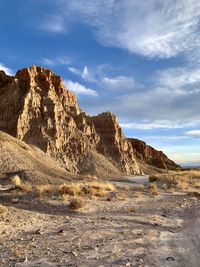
x=16, y=181
x=154, y=190
x=132, y=208
x=182, y=180
x=65, y=198
x=76, y=203
x=3, y=209
x=137, y=194
x=25, y=187
x=97, y=189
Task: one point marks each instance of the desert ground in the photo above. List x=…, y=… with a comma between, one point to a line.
x=128, y=222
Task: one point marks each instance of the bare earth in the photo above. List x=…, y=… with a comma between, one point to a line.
x=124, y=231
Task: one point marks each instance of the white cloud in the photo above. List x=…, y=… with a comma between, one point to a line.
x=53, y=24
x=47, y=62
x=85, y=74
x=178, y=77
x=55, y=62
x=158, y=124
x=118, y=83
x=7, y=70
x=153, y=28
x=161, y=137
x=194, y=133
x=74, y=71
x=79, y=89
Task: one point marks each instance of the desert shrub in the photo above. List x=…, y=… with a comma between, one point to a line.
x=154, y=190
x=152, y=178
x=137, y=194
x=76, y=203
x=196, y=184
x=25, y=187
x=71, y=189
x=45, y=189
x=16, y=181
x=3, y=209
x=183, y=185
x=65, y=198
x=132, y=208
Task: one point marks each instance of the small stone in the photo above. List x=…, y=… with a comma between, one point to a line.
x=170, y=259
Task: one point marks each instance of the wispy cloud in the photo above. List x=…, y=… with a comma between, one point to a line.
x=149, y=28
x=79, y=89
x=178, y=77
x=167, y=138
x=194, y=133
x=7, y=70
x=55, y=61
x=47, y=62
x=53, y=24
x=85, y=73
x=158, y=124
x=122, y=83
x=75, y=71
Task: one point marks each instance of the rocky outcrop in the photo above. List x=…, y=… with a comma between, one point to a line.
x=113, y=143
x=35, y=107
x=151, y=156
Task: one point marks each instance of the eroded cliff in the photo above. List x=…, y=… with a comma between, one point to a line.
x=35, y=107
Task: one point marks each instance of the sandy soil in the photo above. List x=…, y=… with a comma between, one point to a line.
x=126, y=231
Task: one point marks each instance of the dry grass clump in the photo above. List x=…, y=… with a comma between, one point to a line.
x=182, y=180
x=16, y=181
x=137, y=194
x=72, y=189
x=196, y=184
x=25, y=187
x=154, y=190
x=45, y=189
x=132, y=208
x=94, y=188
x=3, y=209
x=101, y=186
x=90, y=188
x=65, y=198
x=122, y=196
x=76, y=203
x=98, y=189
x=183, y=185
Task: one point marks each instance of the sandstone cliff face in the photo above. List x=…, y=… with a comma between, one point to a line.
x=151, y=156
x=35, y=107
x=113, y=143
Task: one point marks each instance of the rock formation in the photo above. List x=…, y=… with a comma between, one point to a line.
x=35, y=107
x=151, y=156
x=113, y=143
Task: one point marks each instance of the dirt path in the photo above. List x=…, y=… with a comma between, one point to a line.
x=143, y=231
x=182, y=246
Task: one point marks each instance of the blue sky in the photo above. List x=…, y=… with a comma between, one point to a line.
x=137, y=59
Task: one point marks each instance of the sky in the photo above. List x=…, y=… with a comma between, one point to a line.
x=138, y=59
